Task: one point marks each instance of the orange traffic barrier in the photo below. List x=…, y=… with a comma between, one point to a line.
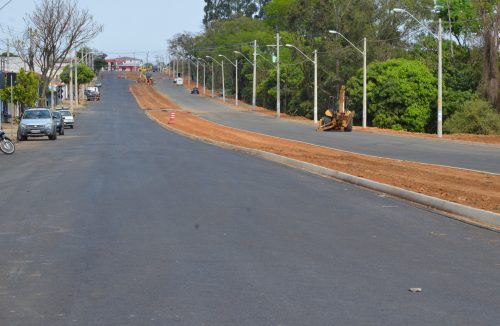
x=171, y=121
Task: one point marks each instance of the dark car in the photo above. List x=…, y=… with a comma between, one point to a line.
x=195, y=90
x=58, y=118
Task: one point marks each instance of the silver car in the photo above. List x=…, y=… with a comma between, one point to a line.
x=37, y=122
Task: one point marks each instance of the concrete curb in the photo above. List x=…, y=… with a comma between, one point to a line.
x=460, y=212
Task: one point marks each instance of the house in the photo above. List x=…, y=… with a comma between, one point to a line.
x=124, y=64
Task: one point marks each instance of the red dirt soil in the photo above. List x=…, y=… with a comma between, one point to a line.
x=475, y=189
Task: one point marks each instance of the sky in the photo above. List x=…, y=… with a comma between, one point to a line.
x=130, y=27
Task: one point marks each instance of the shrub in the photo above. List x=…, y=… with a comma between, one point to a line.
x=400, y=94
x=475, y=117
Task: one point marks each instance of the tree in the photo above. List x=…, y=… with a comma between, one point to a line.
x=400, y=94
x=226, y=9
x=25, y=91
x=60, y=27
x=85, y=74
x=100, y=62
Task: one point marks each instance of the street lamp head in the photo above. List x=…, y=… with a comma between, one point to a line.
x=288, y=45
x=237, y=52
x=220, y=55
x=398, y=10
x=333, y=32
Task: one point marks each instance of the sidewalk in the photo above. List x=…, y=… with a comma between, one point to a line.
x=7, y=128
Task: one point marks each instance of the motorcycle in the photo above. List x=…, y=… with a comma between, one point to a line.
x=6, y=145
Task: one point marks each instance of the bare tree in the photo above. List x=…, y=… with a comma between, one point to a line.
x=53, y=30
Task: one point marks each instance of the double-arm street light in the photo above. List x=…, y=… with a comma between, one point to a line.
x=204, y=84
x=223, y=87
x=365, y=102
x=439, y=37
x=235, y=64
x=315, y=62
x=254, y=84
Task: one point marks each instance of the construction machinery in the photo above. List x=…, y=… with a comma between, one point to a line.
x=337, y=119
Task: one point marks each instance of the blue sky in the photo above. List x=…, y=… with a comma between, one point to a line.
x=129, y=26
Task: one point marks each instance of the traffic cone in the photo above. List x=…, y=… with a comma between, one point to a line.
x=171, y=121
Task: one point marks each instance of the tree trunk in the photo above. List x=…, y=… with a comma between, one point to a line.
x=489, y=80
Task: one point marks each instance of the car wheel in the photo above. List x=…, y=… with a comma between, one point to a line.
x=19, y=136
x=71, y=127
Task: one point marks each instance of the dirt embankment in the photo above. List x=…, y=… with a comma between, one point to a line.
x=480, y=190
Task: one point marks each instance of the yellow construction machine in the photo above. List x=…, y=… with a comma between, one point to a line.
x=340, y=119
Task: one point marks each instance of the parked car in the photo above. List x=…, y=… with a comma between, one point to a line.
x=69, y=120
x=195, y=91
x=37, y=122
x=179, y=81
x=92, y=93
x=58, y=118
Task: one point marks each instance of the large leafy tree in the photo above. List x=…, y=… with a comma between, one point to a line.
x=400, y=94
x=25, y=91
x=85, y=74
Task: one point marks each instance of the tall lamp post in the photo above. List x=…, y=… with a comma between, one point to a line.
x=365, y=102
x=254, y=84
x=315, y=62
x=235, y=64
x=223, y=87
x=439, y=37
x=204, y=84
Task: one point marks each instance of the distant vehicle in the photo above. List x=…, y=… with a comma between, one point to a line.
x=58, y=118
x=98, y=84
x=179, y=81
x=92, y=93
x=156, y=68
x=195, y=91
x=69, y=120
x=37, y=122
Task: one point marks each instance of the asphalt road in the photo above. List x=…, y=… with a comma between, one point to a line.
x=121, y=222
x=450, y=153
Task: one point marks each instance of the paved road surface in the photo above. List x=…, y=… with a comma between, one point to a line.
x=457, y=154
x=121, y=222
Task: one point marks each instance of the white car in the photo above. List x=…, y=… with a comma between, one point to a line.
x=69, y=120
x=179, y=81
x=37, y=122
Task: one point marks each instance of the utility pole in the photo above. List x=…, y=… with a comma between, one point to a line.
x=189, y=72
x=71, y=85
x=278, y=93
x=212, y=79
x=197, y=69
x=254, y=82
x=76, y=80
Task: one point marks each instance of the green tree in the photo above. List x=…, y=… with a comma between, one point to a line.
x=25, y=91
x=85, y=74
x=400, y=94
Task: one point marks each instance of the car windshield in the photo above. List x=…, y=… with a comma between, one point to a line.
x=36, y=114
x=65, y=113
x=56, y=114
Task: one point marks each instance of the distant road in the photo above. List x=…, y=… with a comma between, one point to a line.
x=121, y=222
x=457, y=154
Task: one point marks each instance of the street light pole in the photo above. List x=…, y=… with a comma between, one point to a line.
x=236, y=79
x=439, y=37
x=440, y=83
x=278, y=86
x=365, y=100
x=197, y=64
x=223, y=87
x=254, y=82
x=315, y=62
x=254, y=64
x=204, y=84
